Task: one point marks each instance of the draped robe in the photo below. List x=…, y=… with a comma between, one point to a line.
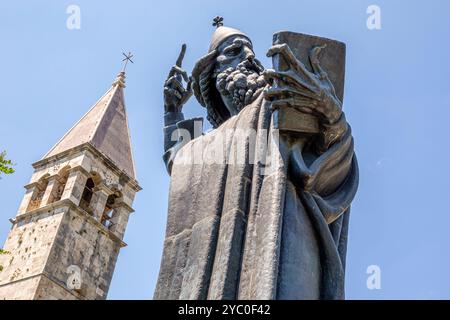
x=273, y=226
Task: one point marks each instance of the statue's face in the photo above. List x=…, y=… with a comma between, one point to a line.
x=233, y=51
x=238, y=73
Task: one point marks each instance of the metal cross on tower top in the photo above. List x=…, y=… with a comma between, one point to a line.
x=126, y=59
x=218, y=21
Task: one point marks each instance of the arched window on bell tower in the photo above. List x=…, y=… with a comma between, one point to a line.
x=38, y=194
x=63, y=176
x=109, y=210
x=86, y=197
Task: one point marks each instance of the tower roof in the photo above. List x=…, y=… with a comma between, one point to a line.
x=105, y=127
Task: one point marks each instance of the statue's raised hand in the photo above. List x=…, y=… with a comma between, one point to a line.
x=310, y=92
x=175, y=94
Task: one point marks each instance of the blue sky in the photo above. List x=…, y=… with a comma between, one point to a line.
x=397, y=99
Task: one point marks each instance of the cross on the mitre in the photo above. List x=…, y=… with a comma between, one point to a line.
x=218, y=21
x=126, y=59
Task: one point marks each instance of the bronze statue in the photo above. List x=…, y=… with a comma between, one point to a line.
x=272, y=225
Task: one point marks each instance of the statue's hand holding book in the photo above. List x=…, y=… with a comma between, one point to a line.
x=293, y=85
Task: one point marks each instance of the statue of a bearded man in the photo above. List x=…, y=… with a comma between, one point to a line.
x=269, y=220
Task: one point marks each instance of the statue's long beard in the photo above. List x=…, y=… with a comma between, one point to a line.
x=242, y=84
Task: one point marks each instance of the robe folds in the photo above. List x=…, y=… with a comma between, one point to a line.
x=265, y=223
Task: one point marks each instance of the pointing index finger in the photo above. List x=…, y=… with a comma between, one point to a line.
x=181, y=55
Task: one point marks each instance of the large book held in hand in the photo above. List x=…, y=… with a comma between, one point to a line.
x=332, y=60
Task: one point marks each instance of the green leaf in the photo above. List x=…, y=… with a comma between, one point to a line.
x=6, y=165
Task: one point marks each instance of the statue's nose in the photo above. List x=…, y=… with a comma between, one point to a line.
x=249, y=53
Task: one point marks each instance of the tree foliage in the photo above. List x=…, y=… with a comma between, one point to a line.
x=6, y=166
x=3, y=252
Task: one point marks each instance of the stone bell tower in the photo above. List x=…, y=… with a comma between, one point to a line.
x=67, y=234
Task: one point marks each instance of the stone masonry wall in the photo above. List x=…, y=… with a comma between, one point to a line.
x=29, y=244
x=45, y=245
x=86, y=246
